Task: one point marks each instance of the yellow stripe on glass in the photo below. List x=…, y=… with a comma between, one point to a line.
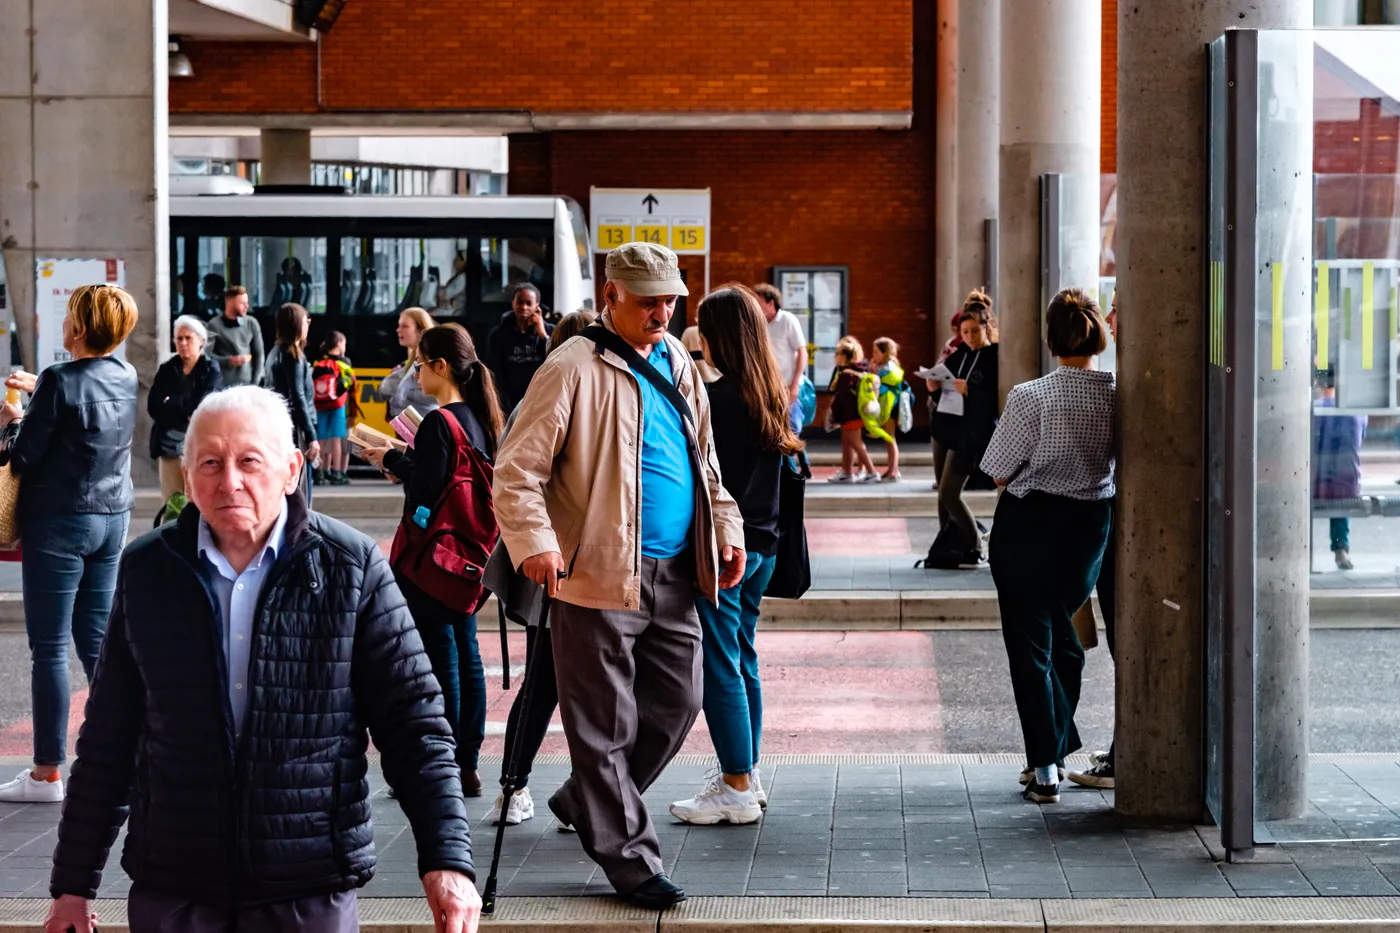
x=1368, y=316
x=1276, y=337
x=1321, y=311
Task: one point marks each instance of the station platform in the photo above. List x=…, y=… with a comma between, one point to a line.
x=928, y=842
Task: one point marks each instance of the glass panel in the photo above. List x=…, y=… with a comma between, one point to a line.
x=278, y=270
x=388, y=274
x=510, y=261
x=1329, y=102
x=212, y=274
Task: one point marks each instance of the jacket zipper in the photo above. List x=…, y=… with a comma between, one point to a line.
x=278, y=571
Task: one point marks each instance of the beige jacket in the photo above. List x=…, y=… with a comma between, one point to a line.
x=568, y=476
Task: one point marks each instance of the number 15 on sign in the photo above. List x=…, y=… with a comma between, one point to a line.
x=688, y=234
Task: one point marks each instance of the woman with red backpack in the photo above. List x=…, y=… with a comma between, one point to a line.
x=448, y=526
x=337, y=409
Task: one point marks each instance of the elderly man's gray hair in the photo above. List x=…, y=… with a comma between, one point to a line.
x=263, y=407
x=192, y=324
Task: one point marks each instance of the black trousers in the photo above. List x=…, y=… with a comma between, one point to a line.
x=544, y=698
x=1108, y=590
x=1046, y=553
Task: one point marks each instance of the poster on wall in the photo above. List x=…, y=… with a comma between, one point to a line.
x=55, y=281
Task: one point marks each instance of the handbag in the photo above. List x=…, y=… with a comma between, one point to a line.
x=792, y=572
x=1085, y=625
x=9, y=506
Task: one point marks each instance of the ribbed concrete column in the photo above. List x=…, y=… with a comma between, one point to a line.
x=1161, y=194
x=945, y=170
x=979, y=134
x=1050, y=57
x=83, y=156
x=285, y=158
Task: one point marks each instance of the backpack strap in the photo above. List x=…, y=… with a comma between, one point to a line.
x=607, y=340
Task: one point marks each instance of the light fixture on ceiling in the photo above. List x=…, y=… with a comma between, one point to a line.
x=180, y=66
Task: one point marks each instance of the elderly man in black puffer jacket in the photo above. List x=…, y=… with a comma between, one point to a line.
x=252, y=643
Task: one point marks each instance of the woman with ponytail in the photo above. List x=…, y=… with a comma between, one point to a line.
x=749, y=412
x=1053, y=452
x=449, y=371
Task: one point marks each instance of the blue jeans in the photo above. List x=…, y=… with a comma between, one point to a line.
x=733, y=696
x=1340, y=532
x=69, y=572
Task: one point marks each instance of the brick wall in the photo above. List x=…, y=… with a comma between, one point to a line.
x=575, y=56
x=1108, y=108
x=790, y=198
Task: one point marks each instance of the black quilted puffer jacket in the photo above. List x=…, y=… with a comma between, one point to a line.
x=286, y=814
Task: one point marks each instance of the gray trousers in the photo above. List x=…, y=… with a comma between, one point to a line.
x=156, y=912
x=629, y=690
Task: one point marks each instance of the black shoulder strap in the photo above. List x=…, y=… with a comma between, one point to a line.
x=608, y=340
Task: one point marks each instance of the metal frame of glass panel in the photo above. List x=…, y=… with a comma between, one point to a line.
x=1230, y=346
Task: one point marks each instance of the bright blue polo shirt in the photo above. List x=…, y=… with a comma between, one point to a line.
x=668, y=479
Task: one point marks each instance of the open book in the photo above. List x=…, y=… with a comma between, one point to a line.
x=362, y=436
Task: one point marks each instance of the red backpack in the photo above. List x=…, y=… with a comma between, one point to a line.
x=447, y=558
x=330, y=385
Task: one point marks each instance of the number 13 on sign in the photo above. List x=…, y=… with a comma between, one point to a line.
x=613, y=232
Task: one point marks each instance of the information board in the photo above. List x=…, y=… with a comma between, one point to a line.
x=55, y=280
x=674, y=217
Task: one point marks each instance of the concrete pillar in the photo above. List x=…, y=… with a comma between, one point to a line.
x=945, y=162
x=1161, y=270
x=979, y=135
x=285, y=157
x=1050, y=56
x=83, y=159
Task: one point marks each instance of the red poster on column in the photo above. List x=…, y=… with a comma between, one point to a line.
x=111, y=270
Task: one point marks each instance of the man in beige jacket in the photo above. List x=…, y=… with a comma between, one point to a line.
x=610, y=496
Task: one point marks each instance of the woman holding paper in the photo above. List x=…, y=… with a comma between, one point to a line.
x=964, y=418
x=462, y=388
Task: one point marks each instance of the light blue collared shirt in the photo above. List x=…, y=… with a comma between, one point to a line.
x=668, y=478
x=237, y=596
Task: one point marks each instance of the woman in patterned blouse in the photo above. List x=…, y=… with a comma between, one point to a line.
x=1053, y=454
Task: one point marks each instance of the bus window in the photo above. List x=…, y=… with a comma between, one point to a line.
x=384, y=275
x=278, y=270
x=212, y=265
x=510, y=261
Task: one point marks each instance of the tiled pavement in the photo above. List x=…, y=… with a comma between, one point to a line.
x=926, y=826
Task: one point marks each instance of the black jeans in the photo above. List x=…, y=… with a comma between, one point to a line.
x=1046, y=553
x=450, y=641
x=544, y=698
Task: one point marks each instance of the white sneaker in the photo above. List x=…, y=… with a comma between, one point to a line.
x=24, y=789
x=840, y=476
x=756, y=785
x=718, y=802
x=522, y=807
x=866, y=479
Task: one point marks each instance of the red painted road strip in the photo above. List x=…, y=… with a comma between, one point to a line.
x=824, y=693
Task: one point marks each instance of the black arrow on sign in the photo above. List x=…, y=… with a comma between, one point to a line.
x=650, y=201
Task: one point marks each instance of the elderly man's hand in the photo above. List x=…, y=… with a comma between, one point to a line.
x=453, y=900
x=70, y=912
x=732, y=573
x=546, y=569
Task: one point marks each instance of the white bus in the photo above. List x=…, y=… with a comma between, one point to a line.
x=356, y=261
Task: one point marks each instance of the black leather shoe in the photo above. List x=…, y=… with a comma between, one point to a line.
x=656, y=893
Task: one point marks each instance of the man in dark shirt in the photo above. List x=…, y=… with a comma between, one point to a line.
x=518, y=345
